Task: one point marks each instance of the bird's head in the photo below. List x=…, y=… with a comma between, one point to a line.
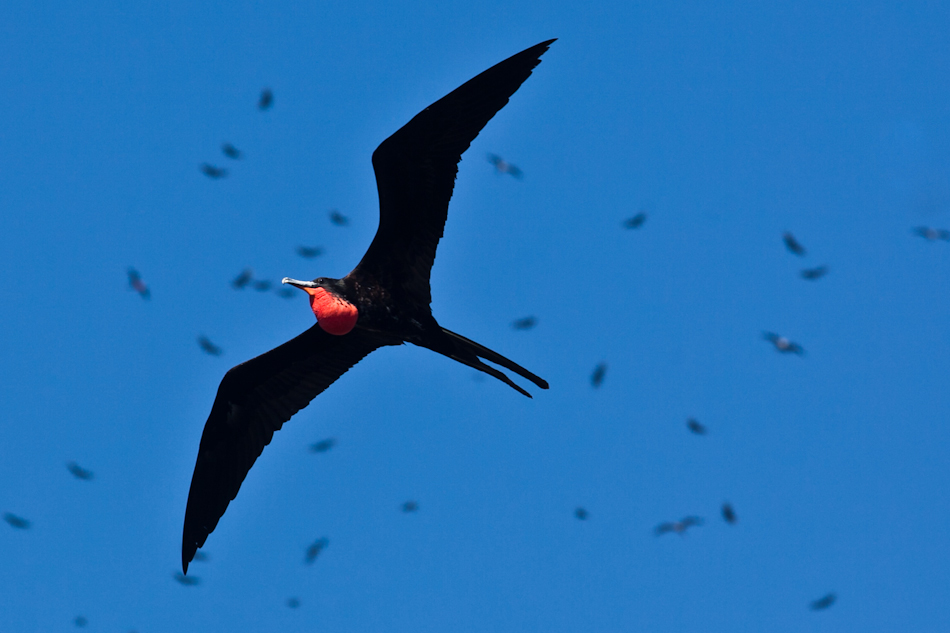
x=334, y=312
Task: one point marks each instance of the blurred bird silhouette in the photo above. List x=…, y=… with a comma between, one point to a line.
x=314, y=550
x=824, y=602
x=188, y=581
x=932, y=234
x=636, y=221
x=323, y=445
x=213, y=172
x=581, y=514
x=80, y=621
x=729, y=514
x=261, y=285
x=285, y=293
x=525, y=323
x=309, y=252
x=293, y=603
x=504, y=167
x=814, y=273
x=79, y=472
x=597, y=378
x=266, y=100
x=136, y=284
x=792, y=244
x=338, y=218
x=679, y=527
x=782, y=344
x=242, y=280
x=410, y=506
x=208, y=347
x=231, y=151
x=693, y=425
x=18, y=522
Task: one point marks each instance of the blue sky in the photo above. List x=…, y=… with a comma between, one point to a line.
x=728, y=123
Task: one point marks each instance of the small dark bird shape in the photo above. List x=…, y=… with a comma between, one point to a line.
x=285, y=293
x=80, y=621
x=208, y=347
x=792, y=244
x=581, y=514
x=293, y=603
x=729, y=514
x=266, y=100
x=188, y=581
x=18, y=522
x=231, y=151
x=824, y=602
x=782, y=344
x=309, y=252
x=597, y=378
x=384, y=301
x=525, y=323
x=693, y=425
x=213, y=172
x=636, y=221
x=504, y=167
x=410, y=506
x=814, y=273
x=323, y=445
x=241, y=281
x=679, y=527
x=314, y=550
x=932, y=234
x=261, y=285
x=79, y=472
x=338, y=218
x=136, y=284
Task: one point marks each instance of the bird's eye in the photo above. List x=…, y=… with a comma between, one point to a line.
x=321, y=280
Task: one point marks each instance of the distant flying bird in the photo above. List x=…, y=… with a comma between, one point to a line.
x=314, y=550
x=782, y=344
x=729, y=514
x=188, y=581
x=693, y=425
x=261, y=285
x=286, y=293
x=597, y=378
x=79, y=472
x=231, y=151
x=504, y=167
x=338, y=218
x=242, y=280
x=636, y=221
x=581, y=514
x=293, y=603
x=814, y=273
x=213, y=172
x=208, y=347
x=524, y=323
x=384, y=301
x=136, y=284
x=792, y=244
x=932, y=234
x=266, y=100
x=309, y=252
x=323, y=445
x=824, y=602
x=18, y=522
x=80, y=621
x=410, y=506
x=679, y=527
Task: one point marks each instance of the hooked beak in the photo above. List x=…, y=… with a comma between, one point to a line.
x=303, y=285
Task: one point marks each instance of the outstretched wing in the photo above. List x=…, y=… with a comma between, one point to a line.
x=415, y=175
x=254, y=400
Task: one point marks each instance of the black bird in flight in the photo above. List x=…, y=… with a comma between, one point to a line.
x=812, y=274
x=231, y=151
x=636, y=221
x=581, y=514
x=309, y=252
x=385, y=300
x=694, y=426
x=80, y=621
x=504, y=167
x=597, y=378
x=792, y=244
x=782, y=344
x=136, y=284
x=338, y=218
x=213, y=172
x=729, y=514
x=679, y=527
x=314, y=550
x=524, y=323
x=79, y=472
x=410, y=506
x=932, y=234
x=242, y=280
x=323, y=445
x=208, y=347
x=18, y=522
x=266, y=100
x=824, y=602
x=285, y=293
x=293, y=603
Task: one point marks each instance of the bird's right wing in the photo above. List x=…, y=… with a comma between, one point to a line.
x=254, y=400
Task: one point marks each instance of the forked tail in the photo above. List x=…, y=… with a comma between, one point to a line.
x=468, y=352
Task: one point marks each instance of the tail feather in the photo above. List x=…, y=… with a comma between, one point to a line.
x=493, y=357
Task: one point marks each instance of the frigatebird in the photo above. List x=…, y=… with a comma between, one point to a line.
x=309, y=252
x=213, y=172
x=383, y=301
x=231, y=151
x=17, y=522
x=504, y=167
x=136, y=284
x=266, y=100
x=79, y=472
x=597, y=377
x=695, y=427
x=679, y=527
x=782, y=344
x=636, y=221
x=241, y=281
x=208, y=347
x=793, y=245
x=932, y=234
x=410, y=506
x=524, y=323
x=338, y=218
x=729, y=514
x=581, y=513
x=823, y=602
x=314, y=550
x=323, y=445
x=812, y=274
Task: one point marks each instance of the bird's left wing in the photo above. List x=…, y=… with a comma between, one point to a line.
x=254, y=400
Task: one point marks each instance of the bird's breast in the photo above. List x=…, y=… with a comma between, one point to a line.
x=335, y=315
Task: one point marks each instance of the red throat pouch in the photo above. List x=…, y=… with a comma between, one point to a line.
x=335, y=315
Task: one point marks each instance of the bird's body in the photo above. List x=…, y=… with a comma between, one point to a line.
x=524, y=323
x=231, y=151
x=695, y=427
x=79, y=472
x=782, y=344
x=678, y=527
x=504, y=167
x=384, y=301
x=793, y=245
x=824, y=602
x=932, y=234
x=213, y=172
x=136, y=284
x=208, y=347
x=812, y=274
x=636, y=221
x=597, y=376
x=729, y=514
